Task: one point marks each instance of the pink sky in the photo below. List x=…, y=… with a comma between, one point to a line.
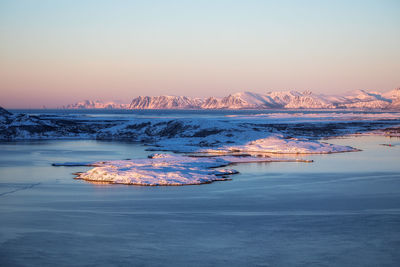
x=59, y=52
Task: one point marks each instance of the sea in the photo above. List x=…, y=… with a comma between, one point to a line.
x=339, y=210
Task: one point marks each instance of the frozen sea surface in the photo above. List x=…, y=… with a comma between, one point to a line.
x=341, y=210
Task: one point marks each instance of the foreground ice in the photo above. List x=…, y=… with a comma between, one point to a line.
x=278, y=144
x=166, y=169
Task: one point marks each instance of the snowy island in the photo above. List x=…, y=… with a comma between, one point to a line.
x=167, y=169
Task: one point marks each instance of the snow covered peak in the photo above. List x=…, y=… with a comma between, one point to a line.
x=97, y=104
x=393, y=94
x=307, y=92
x=256, y=100
x=164, y=102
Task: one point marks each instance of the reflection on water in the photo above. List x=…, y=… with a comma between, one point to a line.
x=342, y=209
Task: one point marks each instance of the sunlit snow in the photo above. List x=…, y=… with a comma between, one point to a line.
x=167, y=169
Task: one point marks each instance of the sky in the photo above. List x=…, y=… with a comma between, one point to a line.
x=54, y=53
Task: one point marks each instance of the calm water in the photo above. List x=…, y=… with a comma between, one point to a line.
x=175, y=113
x=341, y=210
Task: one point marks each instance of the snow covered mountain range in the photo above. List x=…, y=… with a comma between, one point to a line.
x=89, y=104
x=359, y=99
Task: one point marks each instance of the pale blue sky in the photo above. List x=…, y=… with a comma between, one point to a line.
x=56, y=52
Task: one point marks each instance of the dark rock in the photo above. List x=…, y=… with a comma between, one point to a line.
x=138, y=126
x=172, y=129
x=207, y=132
x=4, y=112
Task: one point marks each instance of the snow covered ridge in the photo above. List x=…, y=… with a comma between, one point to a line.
x=278, y=144
x=358, y=99
x=97, y=104
x=166, y=169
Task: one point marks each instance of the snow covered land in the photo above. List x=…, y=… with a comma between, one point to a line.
x=358, y=99
x=212, y=141
x=196, y=133
x=167, y=169
x=280, y=144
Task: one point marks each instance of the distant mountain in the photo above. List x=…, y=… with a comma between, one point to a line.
x=4, y=115
x=394, y=95
x=88, y=104
x=165, y=102
x=247, y=100
x=4, y=112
